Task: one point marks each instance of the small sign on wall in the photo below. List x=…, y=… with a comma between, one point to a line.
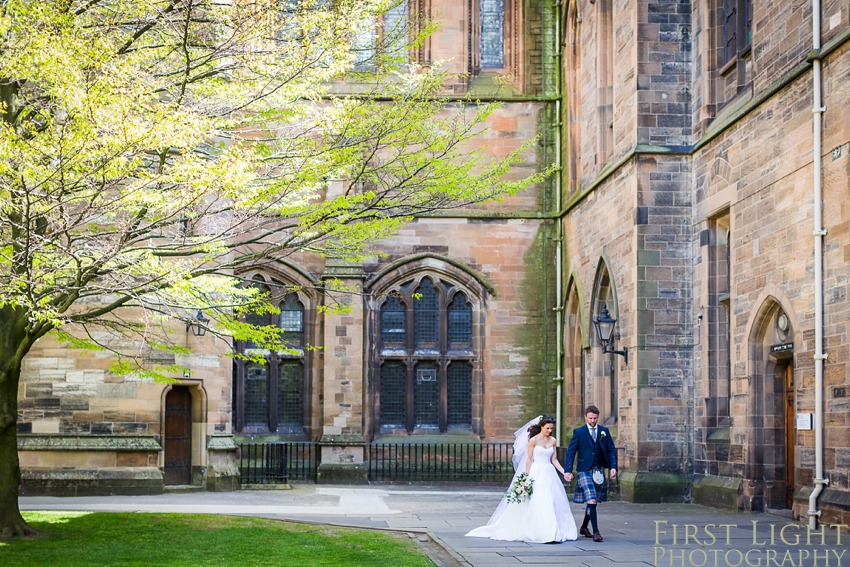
x=804, y=422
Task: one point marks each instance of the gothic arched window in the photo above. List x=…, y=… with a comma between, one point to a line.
x=605, y=388
x=426, y=358
x=270, y=396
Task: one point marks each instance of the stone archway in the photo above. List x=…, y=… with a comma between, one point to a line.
x=574, y=360
x=771, y=434
x=604, y=391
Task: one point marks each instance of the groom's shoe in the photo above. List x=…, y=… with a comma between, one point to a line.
x=597, y=536
x=585, y=532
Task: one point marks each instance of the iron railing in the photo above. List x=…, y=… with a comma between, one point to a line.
x=281, y=462
x=276, y=463
x=440, y=462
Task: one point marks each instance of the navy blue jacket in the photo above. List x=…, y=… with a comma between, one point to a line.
x=582, y=444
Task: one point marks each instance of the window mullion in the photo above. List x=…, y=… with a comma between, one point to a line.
x=442, y=381
x=274, y=386
x=240, y=395
x=409, y=402
x=409, y=375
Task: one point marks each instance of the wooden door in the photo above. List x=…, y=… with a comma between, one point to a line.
x=178, y=436
x=790, y=428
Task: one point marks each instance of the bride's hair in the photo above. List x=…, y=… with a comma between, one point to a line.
x=535, y=429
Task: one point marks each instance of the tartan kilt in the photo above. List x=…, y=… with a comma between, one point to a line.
x=587, y=490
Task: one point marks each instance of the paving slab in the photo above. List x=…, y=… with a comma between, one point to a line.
x=438, y=517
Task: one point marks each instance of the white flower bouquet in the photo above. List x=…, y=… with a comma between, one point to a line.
x=520, y=490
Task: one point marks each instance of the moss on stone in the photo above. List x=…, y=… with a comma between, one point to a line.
x=717, y=491
x=536, y=392
x=645, y=487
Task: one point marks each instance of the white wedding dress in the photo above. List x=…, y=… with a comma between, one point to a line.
x=543, y=518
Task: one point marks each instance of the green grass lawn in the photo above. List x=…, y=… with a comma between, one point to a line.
x=88, y=539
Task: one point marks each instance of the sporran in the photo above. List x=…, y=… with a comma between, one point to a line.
x=598, y=476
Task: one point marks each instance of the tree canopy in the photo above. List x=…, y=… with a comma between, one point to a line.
x=151, y=149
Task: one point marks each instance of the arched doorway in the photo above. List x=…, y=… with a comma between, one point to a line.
x=772, y=444
x=178, y=436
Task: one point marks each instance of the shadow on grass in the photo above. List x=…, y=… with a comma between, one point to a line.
x=85, y=539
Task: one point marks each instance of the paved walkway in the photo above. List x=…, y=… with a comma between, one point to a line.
x=438, y=517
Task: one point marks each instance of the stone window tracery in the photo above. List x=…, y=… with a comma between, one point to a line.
x=270, y=396
x=426, y=357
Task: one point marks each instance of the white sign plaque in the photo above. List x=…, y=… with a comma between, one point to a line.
x=804, y=422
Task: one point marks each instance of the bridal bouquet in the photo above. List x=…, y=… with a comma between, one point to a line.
x=520, y=490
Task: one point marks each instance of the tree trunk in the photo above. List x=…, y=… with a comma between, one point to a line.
x=14, y=343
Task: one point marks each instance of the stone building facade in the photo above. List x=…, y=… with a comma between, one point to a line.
x=442, y=339
x=690, y=210
x=683, y=204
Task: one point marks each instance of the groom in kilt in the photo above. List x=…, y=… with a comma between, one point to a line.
x=595, y=450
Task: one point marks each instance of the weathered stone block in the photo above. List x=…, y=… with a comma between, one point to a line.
x=717, y=491
x=645, y=487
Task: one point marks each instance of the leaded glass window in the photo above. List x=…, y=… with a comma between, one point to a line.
x=492, y=34
x=257, y=319
x=460, y=393
x=393, y=394
x=426, y=359
x=393, y=321
x=426, y=396
x=396, y=29
x=460, y=323
x=365, y=44
x=730, y=30
x=272, y=396
x=291, y=321
x=426, y=316
x=256, y=393
x=290, y=392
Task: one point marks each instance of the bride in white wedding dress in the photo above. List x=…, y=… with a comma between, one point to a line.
x=545, y=516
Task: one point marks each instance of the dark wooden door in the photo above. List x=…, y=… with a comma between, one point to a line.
x=790, y=428
x=178, y=436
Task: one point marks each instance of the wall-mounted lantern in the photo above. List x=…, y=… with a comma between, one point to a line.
x=199, y=325
x=605, y=331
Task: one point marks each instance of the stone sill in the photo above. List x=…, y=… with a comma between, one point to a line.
x=341, y=440
x=221, y=442
x=117, y=443
x=720, y=435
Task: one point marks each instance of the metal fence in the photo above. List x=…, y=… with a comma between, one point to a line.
x=276, y=463
x=281, y=462
x=440, y=462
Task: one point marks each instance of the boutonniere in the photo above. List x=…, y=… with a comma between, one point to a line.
x=602, y=434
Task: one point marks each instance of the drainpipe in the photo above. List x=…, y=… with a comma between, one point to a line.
x=819, y=233
x=559, y=236
x=559, y=283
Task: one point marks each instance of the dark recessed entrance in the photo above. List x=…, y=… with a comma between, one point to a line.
x=178, y=436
